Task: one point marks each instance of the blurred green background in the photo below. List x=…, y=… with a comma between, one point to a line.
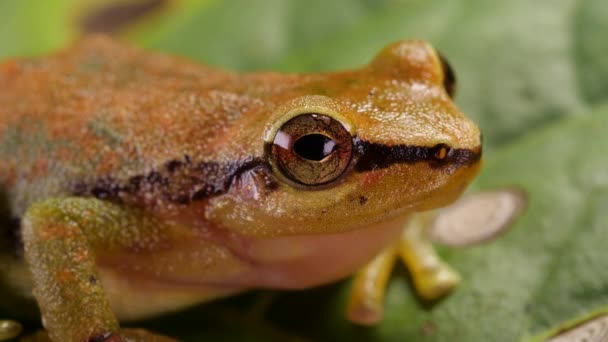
x=533, y=74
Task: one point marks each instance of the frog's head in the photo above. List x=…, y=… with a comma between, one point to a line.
x=379, y=143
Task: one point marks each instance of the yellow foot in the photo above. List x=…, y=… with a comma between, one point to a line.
x=432, y=278
x=471, y=220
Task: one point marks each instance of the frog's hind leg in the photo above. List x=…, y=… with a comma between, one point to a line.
x=432, y=278
x=61, y=238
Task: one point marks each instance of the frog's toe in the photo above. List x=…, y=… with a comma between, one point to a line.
x=9, y=329
x=436, y=281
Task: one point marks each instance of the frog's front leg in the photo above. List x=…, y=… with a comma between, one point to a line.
x=62, y=238
x=432, y=278
x=366, y=304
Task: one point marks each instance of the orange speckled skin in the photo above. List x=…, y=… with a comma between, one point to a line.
x=102, y=108
x=183, y=145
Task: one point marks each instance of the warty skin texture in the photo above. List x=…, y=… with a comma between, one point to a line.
x=152, y=173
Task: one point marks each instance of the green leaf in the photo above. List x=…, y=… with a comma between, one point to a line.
x=591, y=49
x=256, y=34
x=30, y=27
x=533, y=74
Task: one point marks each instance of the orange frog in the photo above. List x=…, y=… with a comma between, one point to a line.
x=135, y=183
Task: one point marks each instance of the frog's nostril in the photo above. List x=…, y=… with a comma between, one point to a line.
x=441, y=151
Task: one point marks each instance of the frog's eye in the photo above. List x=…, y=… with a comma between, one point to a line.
x=312, y=149
x=449, y=78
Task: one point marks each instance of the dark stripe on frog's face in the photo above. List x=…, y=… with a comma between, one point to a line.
x=179, y=181
x=184, y=181
x=374, y=156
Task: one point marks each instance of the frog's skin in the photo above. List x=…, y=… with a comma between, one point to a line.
x=135, y=183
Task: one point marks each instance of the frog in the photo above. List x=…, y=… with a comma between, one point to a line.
x=136, y=183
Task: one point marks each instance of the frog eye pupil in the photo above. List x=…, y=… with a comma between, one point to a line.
x=314, y=147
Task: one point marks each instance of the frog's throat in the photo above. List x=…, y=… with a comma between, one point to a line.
x=183, y=181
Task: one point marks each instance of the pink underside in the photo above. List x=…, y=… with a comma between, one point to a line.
x=287, y=262
x=305, y=261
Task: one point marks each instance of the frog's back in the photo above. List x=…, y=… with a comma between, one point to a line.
x=103, y=109
x=99, y=111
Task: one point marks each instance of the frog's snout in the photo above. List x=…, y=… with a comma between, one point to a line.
x=456, y=157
